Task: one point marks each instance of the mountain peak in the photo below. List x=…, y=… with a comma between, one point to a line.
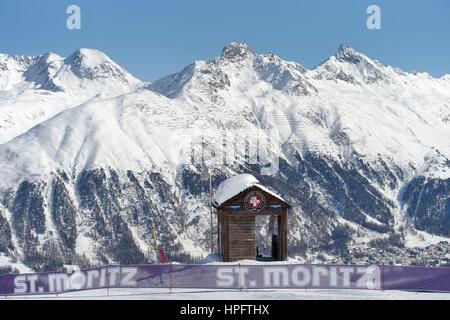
x=351, y=66
x=343, y=47
x=236, y=51
x=94, y=64
x=50, y=57
x=88, y=57
x=347, y=54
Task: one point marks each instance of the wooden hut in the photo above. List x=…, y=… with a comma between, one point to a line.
x=238, y=201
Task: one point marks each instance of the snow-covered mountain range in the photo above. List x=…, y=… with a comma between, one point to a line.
x=91, y=157
x=34, y=89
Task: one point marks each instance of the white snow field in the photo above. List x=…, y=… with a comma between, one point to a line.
x=206, y=294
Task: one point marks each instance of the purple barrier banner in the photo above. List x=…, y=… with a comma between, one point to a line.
x=416, y=278
x=230, y=276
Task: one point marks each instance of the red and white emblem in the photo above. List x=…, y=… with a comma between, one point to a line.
x=255, y=201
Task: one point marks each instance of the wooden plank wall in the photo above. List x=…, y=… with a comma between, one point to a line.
x=282, y=240
x=241, y=237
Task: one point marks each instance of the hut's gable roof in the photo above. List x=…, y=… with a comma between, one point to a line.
x=235, y=185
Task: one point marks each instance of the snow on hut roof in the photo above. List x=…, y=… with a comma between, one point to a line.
x=233, y=186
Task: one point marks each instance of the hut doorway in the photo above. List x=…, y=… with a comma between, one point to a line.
x=267, y=238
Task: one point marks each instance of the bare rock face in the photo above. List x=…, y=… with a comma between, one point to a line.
x=428, y=203
x=236, y=51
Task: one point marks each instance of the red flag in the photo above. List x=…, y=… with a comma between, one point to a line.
x=162, y=256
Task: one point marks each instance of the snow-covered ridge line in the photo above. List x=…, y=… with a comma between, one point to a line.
x=33, y=89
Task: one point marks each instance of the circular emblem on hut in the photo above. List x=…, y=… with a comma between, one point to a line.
x=255, y=201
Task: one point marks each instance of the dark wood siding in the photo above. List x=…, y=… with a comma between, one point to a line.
x=241, y=237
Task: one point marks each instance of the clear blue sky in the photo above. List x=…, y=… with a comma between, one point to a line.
x=152, y=38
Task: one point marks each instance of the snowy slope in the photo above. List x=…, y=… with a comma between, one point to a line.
x=34, y=89
x=98, y=157
x=382, y=110
x=208, y=294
